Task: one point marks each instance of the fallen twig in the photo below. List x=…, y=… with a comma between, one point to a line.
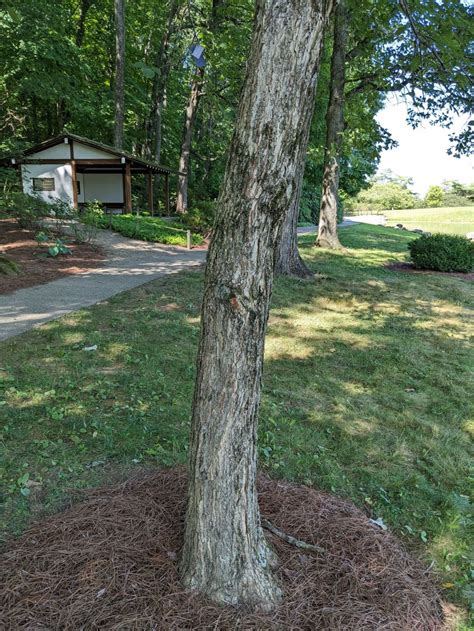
x=291, y=540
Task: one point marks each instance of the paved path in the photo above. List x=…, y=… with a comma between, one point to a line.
x=129, y=263
x=375, y=220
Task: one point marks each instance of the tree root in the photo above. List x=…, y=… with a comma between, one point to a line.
x=291, y=540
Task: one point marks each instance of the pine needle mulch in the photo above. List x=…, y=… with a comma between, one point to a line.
x=111, y=562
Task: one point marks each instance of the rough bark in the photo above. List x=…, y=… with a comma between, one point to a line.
x=119, y=71
x=188, y=128
x=225, y=554
x=327, y=232
x=288, y=259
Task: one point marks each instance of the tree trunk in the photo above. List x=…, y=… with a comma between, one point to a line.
x=225, y=555
x=288, y=259
x=327, y=232
x=119, y=71
x=152, y=147
x=190, y=119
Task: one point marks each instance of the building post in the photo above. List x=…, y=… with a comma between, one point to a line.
x=149, y=176
x=167, y=194
x=74, y=184
x=127, y=188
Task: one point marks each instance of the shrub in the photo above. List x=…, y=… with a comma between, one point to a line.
x=443, y=253
x=26, y=209
x=200, y=218
x=85, y=229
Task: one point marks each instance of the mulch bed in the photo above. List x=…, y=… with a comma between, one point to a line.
x=111, y=562
x=19, y=246
x=410, y=268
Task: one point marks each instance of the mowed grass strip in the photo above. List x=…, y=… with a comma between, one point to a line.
x=447, y=220
x=366, y=393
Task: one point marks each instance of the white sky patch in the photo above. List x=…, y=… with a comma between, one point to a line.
x=422, y=152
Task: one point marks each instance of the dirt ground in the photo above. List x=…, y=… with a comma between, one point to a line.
x=35, y=267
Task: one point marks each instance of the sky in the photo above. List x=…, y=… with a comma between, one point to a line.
x=422, y=152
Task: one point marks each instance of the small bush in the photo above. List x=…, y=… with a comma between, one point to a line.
x=85, y=228
x=201, y=217
x=443, y=253
x=27, y=210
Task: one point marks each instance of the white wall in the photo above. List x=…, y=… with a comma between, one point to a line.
x=105, y=187
x=81, y=152
x=62, y=180
x=58, y=152
x=84, y=152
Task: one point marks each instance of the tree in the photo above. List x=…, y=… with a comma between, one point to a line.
x=327, y=230
x=225, y=554
x=434, y=197
x=387, y=191
x=413, y=52
x=190, y=119
x=119, y=6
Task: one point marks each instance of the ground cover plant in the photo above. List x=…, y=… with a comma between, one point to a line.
x=447, y=220
x=148, y=229
x=364, y=394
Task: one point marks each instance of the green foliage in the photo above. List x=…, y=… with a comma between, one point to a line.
x=26, y=209
x=148, y=229
x=84, y=228
x=200, y=218
x=457, y=194
x=434, y=198
x=383, y=196
x=58, y=248
x=8, y=267
x=443, y=252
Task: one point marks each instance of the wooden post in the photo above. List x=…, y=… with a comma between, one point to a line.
x=127, y=188
x=73, y=175
x=149, y=176
x=167, y=194
x=189, y=239
x=74, y=184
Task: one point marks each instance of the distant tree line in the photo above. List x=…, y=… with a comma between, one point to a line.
x=388, y=191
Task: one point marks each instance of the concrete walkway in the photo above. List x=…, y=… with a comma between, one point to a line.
x=375, y=220
x=129, y=263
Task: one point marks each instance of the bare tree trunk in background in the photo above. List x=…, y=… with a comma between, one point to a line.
x=119, y=71
x=327, y=232
x=188, y=128
x=225, y=554
x=190, y=119
x=288, y=259
x=152, y=148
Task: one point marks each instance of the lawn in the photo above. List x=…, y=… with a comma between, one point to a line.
x=450, y=220
x=152, y=229
x=366, y=393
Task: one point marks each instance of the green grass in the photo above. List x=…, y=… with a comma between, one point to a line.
x=366, y=393
x=447, y=220
x=148, y=229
